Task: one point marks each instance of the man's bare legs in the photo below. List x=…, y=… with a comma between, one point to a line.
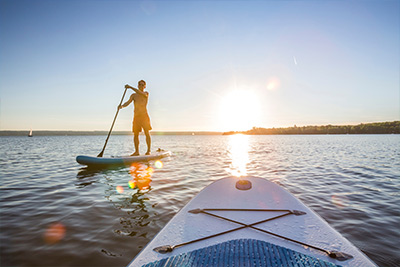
x=148, y=141
x=136, y=142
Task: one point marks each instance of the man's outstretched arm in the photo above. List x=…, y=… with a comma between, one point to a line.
x=137, y=90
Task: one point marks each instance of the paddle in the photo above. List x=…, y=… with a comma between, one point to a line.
x=112, y=125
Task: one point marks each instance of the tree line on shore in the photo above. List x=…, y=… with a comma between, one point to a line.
x=363, y=128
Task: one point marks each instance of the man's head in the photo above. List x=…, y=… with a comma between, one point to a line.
x=142, y=85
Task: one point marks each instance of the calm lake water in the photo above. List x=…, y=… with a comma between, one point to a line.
x=54, y=212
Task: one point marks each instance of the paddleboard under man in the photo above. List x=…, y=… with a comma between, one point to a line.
x=141, y=119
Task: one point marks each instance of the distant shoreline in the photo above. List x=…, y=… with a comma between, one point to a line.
x=94, y=133
x=363, y=128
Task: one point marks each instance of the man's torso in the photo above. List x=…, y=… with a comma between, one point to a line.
x=140, y=103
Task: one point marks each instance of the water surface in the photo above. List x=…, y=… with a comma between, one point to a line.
x=55, y=212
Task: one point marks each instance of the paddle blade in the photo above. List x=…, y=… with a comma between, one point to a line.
x=101, y=154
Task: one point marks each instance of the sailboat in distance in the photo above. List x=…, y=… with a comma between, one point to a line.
x=30, y=133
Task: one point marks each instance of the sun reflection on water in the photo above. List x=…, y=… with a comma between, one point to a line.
x=239, y=153
x=141, y=176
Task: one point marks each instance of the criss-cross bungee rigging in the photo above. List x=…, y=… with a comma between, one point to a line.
x=341, y=256
x=248, y=222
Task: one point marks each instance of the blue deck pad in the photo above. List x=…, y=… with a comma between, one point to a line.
x=241, y=253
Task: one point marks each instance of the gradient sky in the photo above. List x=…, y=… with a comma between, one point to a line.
x=209, y=65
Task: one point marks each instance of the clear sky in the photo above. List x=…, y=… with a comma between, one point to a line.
x=209, y=65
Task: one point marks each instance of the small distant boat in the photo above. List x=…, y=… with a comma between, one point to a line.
x=30, y=134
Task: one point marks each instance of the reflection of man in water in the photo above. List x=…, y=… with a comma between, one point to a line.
x=140, y=118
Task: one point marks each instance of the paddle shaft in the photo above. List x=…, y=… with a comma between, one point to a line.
x=112, y=125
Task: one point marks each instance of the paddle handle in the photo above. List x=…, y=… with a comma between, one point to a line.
x=112, y=125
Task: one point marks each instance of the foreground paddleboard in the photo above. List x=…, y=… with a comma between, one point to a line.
x=117, y=161
x=253, y=223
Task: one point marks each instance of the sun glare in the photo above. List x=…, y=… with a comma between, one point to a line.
x=239, y=111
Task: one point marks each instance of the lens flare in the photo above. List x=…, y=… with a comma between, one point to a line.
x=339, y=201
x=158, y=164
x=119, y=189
x=132, y=184
x=54, y=233
x=273, y=84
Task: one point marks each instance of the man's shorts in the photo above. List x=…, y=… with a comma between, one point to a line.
x=141, y=122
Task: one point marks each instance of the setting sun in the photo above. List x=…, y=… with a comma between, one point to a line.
x=239, y=111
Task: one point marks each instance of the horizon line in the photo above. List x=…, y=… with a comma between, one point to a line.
x=185, y=131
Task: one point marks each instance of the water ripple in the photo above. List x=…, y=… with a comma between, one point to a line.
x=102, y=220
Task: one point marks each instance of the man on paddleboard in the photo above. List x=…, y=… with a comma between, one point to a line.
x=141, y=119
